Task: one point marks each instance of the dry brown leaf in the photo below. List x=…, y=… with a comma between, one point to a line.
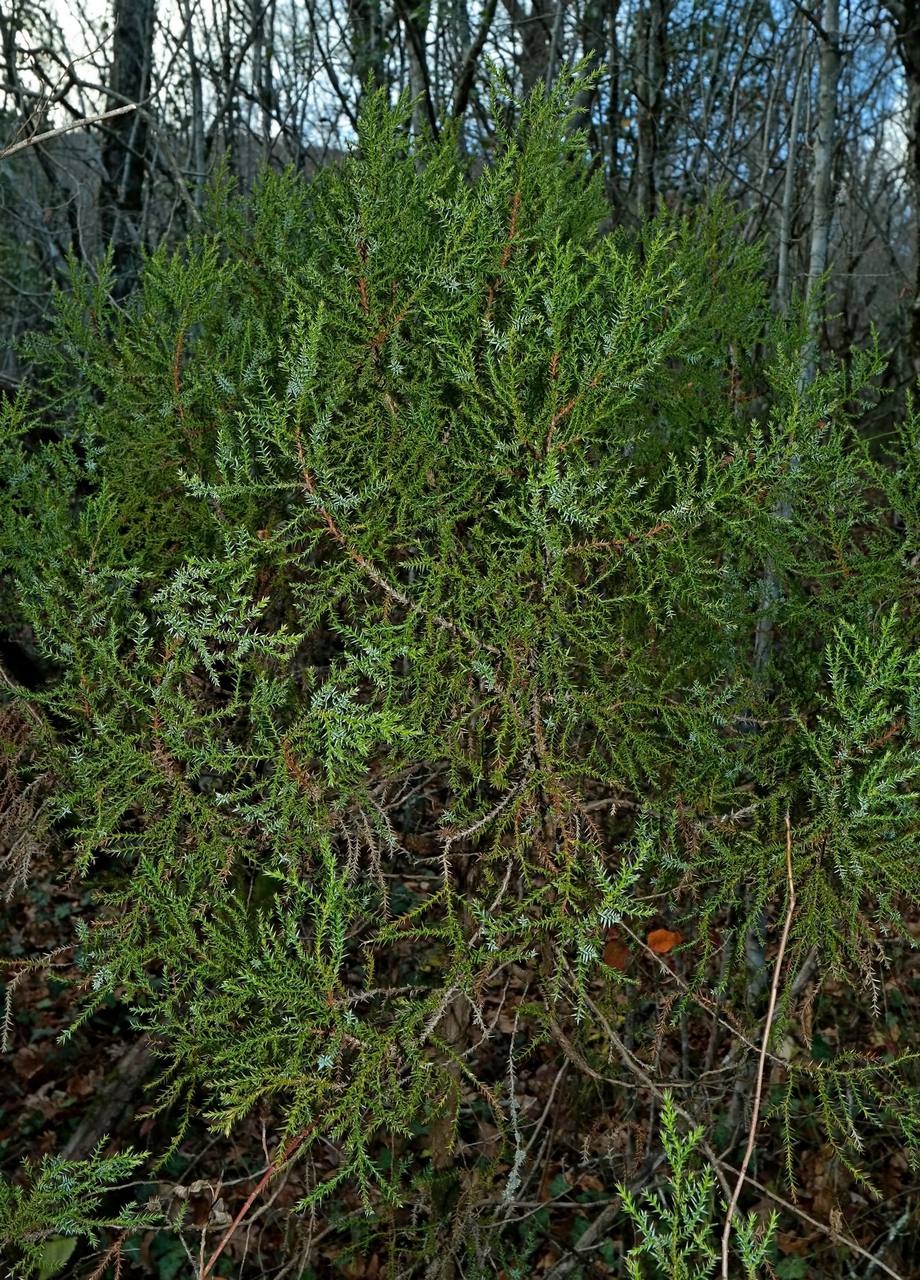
x=27, y=1062
x=616, y=952
x=661, y=941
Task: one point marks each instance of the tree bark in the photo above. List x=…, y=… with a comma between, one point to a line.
x=366, y=21
x=906, y=19
x=594, y=43
x=650, y=75
x=783, y=275
x=533, y=27
x=467, y=71
x=415, y=20
x=124, y=152
x=196, y=123
x=823, y=200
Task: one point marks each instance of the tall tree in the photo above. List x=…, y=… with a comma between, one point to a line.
x=366, y=21
x=415, y=20
x=783, y=281
x=905, y=15
x=124, y=152
x=532, y=25
x=650, y=73
x=823, y=200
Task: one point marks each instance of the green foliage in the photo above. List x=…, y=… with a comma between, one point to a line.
x=863, y=776
x=678, y=1225
x=398, y=559
x=42, y=1219
x=850, y=1097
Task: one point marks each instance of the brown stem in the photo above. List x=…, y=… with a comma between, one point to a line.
x=257, y=1190
x=762, y=1061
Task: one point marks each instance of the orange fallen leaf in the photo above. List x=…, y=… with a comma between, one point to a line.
x=661, y=941
x=616, y=953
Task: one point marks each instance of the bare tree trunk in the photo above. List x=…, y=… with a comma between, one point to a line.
x=593, y=26
x=614, y=107
x=415, y=20
x=906, y=17
x=262, y=26
x=533, y=27
x=226, y=119
x=650, y=74
x=124, y=153
x=554, y=45
x=823, y=200
x=28, y=110
x=783, y=279
x=474, y=46
x=366, y=21
x=196, y=123
x=822, y=213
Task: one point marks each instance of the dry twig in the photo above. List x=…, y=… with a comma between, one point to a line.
x=36, y=138
x=280, y=1160
x=762, y=1061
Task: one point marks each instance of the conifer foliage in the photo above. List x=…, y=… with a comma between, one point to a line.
x=396, y=561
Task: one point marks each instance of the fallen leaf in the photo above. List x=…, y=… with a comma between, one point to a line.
x=792, y=1244
x=27, y=1062
x=661, y=941
x=86, y=1084
x=616, y=952
x=47, y=1101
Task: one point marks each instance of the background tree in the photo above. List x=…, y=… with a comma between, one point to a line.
x=124, y=151
x=691, y=96
x=906, y=17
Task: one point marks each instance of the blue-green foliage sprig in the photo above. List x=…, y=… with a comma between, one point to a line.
x=60, y=1202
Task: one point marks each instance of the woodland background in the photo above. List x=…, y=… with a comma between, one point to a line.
x=113, y=122
x=807, y=115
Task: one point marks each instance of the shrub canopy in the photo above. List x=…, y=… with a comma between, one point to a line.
x=427, y=583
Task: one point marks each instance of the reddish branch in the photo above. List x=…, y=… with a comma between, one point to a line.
x=278, y=1162
x=567, y=408
x=362, y=283
x=111, y=1255
x=506, y=252
x=619, y=544
x=891, y=732
x=384, y=331
x=177, y=362
x=515, y=206
x=177, y=375
x=394, y=593
x=297, y=771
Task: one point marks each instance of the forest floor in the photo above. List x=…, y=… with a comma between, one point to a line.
x=63, y=1097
